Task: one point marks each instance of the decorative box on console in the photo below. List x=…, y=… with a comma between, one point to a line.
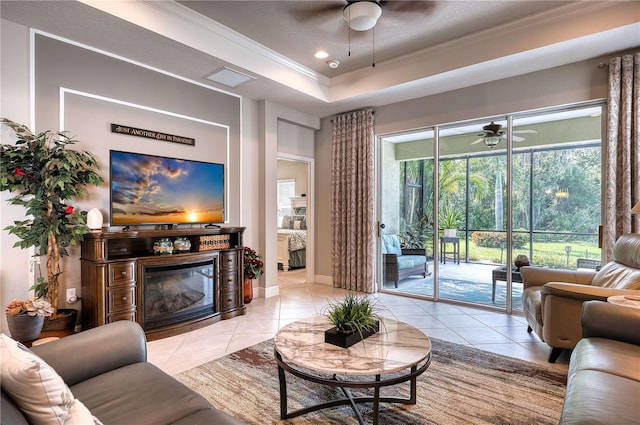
x=214, y=242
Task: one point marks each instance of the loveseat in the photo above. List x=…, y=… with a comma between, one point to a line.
x=106, y=370
x=400, y=263
x=552, y=299
x=603, y=383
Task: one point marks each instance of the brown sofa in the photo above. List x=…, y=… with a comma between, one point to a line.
x=106, y=369
x=603, y=383
x=552, y=299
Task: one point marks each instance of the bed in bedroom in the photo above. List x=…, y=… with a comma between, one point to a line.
x=292, y=242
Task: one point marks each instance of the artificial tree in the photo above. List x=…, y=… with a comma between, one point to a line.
x=43, y=174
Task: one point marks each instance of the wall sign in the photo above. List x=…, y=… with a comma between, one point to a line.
x=150, y=134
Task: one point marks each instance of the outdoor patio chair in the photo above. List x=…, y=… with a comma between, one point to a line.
x=400, y=263
x=553, y=298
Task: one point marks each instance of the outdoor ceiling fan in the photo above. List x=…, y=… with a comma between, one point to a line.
x=492, y=133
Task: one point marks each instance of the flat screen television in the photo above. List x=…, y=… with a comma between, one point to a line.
x=150, y=189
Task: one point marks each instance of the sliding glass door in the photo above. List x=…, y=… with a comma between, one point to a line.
x=509, y=191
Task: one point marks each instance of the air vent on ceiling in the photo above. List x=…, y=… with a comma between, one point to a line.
x=229, y=77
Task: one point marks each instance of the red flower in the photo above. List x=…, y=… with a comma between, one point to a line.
x=19, y=172
x=68, y=210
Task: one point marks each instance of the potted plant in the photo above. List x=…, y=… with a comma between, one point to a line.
x=253, y=268
x=43, y=174
x=25, y=318
x=450, y=219
x=354, y=319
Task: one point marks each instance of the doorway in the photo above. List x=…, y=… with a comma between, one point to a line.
x=294, y=219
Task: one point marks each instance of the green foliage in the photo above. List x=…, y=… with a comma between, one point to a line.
x=494, y=239
x=43, y=174
x=353, y=314
x=416, y=234
x=450, y=217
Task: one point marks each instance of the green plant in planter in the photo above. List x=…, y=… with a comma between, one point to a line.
x=450, y=218
x=353, y=314
x=44, y=175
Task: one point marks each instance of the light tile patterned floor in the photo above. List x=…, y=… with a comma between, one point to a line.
x=486, y=330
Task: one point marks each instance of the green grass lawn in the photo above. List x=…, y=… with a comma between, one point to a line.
x=547, y=254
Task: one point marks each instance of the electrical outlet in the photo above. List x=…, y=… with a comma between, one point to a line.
x=71, y=295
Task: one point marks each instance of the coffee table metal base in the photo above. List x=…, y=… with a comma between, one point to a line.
x=376, y=384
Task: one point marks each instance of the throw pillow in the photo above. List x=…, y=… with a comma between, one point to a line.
x=37, y=389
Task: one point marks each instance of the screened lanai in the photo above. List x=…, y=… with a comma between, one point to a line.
x=455, y=193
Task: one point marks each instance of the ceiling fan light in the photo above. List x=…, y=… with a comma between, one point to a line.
x=491, y=141
x=362, y=15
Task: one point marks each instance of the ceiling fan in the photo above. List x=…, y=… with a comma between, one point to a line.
x=363, y=15
x=492, y=133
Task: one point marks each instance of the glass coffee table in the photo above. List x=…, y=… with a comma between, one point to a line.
x=398, y=353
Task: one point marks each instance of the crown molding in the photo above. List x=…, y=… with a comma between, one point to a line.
x=177, y=22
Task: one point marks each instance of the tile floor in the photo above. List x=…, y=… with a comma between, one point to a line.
x=486, y=330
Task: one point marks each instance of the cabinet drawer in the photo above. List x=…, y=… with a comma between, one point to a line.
x=228, y=260
x=124, y=272
x=122, y=299
x=228, y=281
x=125, y=315
x=228, y=300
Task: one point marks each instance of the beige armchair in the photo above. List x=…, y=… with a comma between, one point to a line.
x=552, y=299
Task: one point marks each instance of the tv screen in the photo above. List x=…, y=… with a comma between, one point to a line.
x=149, y=189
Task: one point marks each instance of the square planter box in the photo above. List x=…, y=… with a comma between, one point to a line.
x=332, y=336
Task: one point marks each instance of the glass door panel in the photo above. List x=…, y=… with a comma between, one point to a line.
x=472, y=178
x=406, y=211
x=560, y=213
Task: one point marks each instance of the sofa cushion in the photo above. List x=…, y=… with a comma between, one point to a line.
x=391, y=245
x=606, y=355
x=143, y=393
x=37, y=389
x=595, y=397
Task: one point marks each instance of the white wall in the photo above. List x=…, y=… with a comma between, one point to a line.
x=15, y=277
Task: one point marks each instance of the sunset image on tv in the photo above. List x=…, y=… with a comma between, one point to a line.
x=148, y=189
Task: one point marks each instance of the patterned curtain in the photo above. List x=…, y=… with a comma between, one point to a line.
x=352, y=201
x=622, y=182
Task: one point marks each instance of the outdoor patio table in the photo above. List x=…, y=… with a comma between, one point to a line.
x=500, y=273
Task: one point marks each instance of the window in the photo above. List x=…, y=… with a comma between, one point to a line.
x=286, y=190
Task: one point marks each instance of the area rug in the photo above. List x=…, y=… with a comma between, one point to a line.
x=463, y=385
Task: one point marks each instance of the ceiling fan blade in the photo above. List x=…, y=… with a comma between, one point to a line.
x=518, y=139
x=305, y=11
x=477, y=141
x=407, y=6
x=526, y=131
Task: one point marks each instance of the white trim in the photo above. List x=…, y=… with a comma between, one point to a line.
x=323, y=280
x=177, y=22
x=131, y=61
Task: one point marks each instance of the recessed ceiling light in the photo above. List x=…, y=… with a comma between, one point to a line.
x=229, y=77
x=321, y=54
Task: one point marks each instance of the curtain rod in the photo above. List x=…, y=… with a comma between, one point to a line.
x=373, y=112
x=602, y=65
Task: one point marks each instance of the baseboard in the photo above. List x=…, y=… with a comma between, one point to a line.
x=324, y=280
